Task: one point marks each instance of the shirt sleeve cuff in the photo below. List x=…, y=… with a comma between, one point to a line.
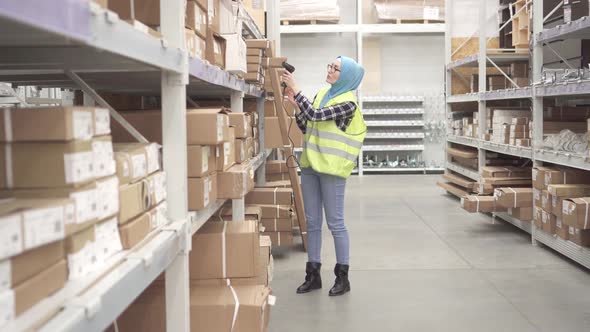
x=299, y=97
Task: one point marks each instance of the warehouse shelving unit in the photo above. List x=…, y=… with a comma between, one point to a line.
x=76, y=44
x=579, y=29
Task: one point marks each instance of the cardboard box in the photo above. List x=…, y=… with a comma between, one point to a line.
x=273, y=137
x=212, y=308
x=539, y=174
x=202, y=192
x=258, y=43
x=519, y=70
x=81, y=253
x=226, y=152
x=46, y=165
x=59, y=124
x=277, y=225
x=254, y=60
x=228, y=22
x=580, y=237
x=253, y=212
x=241, y=123
x=549, y=222
x=235, y=54
x=269, y=108
x=134, y=231
x=196, y=18
x=192, y=44
x=546, y=201
x=524, y=214
x=280, y=239
x=567, y=176
x=274, y=211
x=276, y=166
x=102, y=121
x=538, y=217
x=474, y=203
x=561, y=229
x=201, y=160
x=285, y=177
x=207, y=126
x=254, y=52
x=250, y=148
x=17, y=269
x=236, y=182
x=135, y=161
x=270, y=196
x=505, y=172
x=108, y=240
x=30, y=223
x=569, y=190
x=146, y=11
x=85, y=199
x=201, y=47
x=215, y=49
x=104, y=158
x=225, y=250
x=514, y=197
x=134, y=200
x=576, y=212
x=241, y=150
x=35, y=289
x=257, y=10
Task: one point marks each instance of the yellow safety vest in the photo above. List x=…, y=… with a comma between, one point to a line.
x=328, y=149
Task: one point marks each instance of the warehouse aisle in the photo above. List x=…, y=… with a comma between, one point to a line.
x=421, y=263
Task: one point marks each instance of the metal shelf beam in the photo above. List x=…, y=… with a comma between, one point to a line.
x=464, y=98
x=524, y=225
x=563, y=158
x=569, y=249
x=463, y=171
x=563, y=89
x=436, y=28
x=579, y=29
x=522, y=93
x=394, y=123
x=393, y=147
x=511, y=150
x=468, y=141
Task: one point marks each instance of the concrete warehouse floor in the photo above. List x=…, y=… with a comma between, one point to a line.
x=421, y=263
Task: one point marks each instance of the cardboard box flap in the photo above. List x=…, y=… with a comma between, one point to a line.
x=255, y=296
x=563, y=190
x=213, y=296
x=208, y=110
x=250, y=210
x=217, y=227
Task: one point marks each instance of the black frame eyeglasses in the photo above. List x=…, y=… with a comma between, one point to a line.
x=331, y=67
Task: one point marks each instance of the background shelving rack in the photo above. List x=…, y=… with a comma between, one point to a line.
x=76, y=44
x=579, y=29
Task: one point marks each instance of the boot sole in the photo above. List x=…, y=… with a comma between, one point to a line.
x=340, y=294
x=308, y=291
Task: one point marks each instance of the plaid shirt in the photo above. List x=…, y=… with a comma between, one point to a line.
x=341, y=113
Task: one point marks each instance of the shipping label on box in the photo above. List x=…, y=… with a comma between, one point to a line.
x=108, y=240
x=46, y=225
x=83, y=262
x=11, y=236
x=108, y=193
x=156, y=188
x=5, y=275
x=7, y=307
x=102, y=121
x=79, y=167
x=104, y=161
x=86, y=202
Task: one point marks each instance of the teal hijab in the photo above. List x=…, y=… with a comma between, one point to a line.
x=351, y=75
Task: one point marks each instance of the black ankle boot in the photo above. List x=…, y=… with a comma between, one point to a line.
x=313, y=280
x=342, y=285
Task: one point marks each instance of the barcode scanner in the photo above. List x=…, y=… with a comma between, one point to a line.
x=289, y=67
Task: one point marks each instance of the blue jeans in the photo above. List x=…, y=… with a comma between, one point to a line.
x=323, y=191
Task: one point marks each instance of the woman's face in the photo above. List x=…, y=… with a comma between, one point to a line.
x=334, y=71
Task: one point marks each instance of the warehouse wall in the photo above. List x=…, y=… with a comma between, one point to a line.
x=312, y=52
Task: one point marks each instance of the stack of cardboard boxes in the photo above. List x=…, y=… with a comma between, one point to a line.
x=258, y=53
x=277, y=219
x=494, y=177
x=559, y=202
x=62, y=198
x=511, y=125
x=142, y=191
x=230, y=269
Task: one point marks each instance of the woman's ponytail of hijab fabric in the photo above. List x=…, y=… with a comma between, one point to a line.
x=351, y=75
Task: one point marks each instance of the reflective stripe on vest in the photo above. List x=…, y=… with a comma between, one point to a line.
x=331, y=151
x=335, y=137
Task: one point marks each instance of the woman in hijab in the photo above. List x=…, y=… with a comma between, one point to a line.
x=334, y=133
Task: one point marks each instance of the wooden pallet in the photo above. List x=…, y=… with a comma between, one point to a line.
x=317, y=20
x=411, y=21
x=461, y=181
x=463, y=153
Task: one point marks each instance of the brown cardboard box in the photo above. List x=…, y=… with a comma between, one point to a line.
x=474, y=203
x=576, y=212
x=273, y=136
x=146, y=11
x=134, y=200
x=546, y=201
x=33, y=290
x=59, y=124
x=254, y=60
x=202, y=192
x=235, y=53
x=561, y=229
x=274, y=211
x=46, y=165
x=549, y=222
x=580, y=237
x=226, y=153
x=254, y=52
x=276, y=166
x=524, y=214
x=569, y=190
x=280, y=239
x=108, y=193
x=81, y=253
x=241, y=150
x=277, y=177
x=538, y=217
x=132, y=162
x=270, y=196
x=251, y=211
x=156, y=184
x=207, y=126
x=567, y=176
x=148, y=123
x=236, y=182
x=250, y=149
x=23, y=230
x=277, y=184
x=104, y=159
x=269, y=108
x=201, y=160
x=85, y=200
x=539, y=176
x=192, y=44
x=258, y=43
x=225, y=250
x=134, y=231
x=215, y=49
x=537, y=197
x=201, y=47
x=242, y=124
x=514, y=197
x=505, y=172
x=30, y=263
x=257, y=9
x=277, y=225
x=196, y=18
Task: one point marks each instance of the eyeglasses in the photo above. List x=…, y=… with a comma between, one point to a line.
x=333, y=68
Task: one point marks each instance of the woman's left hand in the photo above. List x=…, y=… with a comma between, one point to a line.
x=289, y=80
